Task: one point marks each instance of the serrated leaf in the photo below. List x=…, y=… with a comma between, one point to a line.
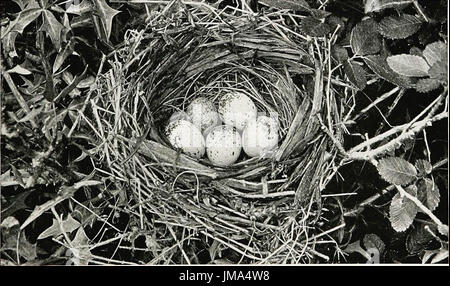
x=373, y=241
x=396, y=170
x=439, y=71
x=423, y=166
x=314, y=27
x=355, y=74
x=425, y=85
x=380, y=5
x=428, y=193
x=106, y=14
x=399, y=27
x=435, y=52
x=402, y=210
x=53, y=28
x=408, y=65
x=380, y=67
x=68, y=225
x=364, y=38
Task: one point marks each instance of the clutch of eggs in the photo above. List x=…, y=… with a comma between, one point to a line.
x=184, y=135
x=223, y=145
x=260, y=136
x=236, y=108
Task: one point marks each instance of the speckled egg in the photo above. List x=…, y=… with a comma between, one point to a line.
x=223, y=145
x=203, y=114
x=260, y=136
x=186, y=136
x=179, y=115
x=236, y=108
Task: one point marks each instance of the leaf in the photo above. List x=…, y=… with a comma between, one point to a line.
x=364, y=38
x=25, y=249
x=399, y=27
x=355, y=74
x=23, y=3
x=9, y=222
x=379, y=5
x=314, y=27
x=68, y=225
x=87, y=82
x=80, y=250
x=418, y=239
x=424, y=167
x=62, y=56
x=441, y=255
x=19, y=70
x=408, y=65
x=106, y=15
x=435, y=52
x=39, y=210
x=396, y=170
x=439, y=71
x=53, y=28
x=15, y=203
x=356, y=247
x=402, y=210
x=339, y=53
x=23, y=19
x=428, y=193
x=373, y=241
x=425, y=85
x=8, y=43
x=379, y=66
x=80, y=8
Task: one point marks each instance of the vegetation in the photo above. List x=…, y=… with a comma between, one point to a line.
x=87, y=176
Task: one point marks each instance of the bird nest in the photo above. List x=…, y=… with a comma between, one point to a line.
x=258, y=210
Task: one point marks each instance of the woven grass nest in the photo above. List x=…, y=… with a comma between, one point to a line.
x=259, y=210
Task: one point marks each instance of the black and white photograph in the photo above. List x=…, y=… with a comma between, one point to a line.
x=224, y=134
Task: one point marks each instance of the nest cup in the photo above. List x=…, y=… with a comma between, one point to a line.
x=190, y=51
